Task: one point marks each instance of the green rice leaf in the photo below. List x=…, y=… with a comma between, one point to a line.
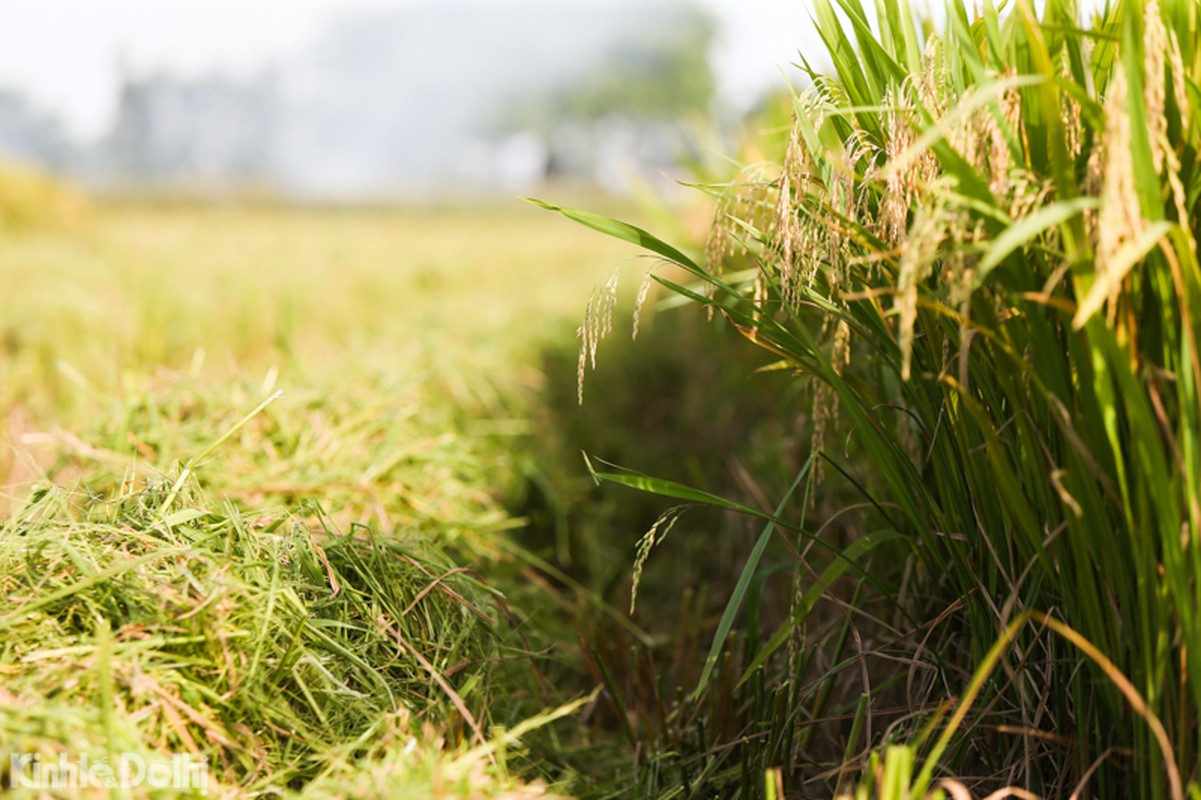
x=846, y=559
x=744, y=582
x=1123, y=261
x=624, y=231
x=1023, y=231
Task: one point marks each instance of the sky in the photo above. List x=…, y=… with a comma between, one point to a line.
x=68, y=55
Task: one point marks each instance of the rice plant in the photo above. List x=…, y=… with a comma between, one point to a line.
x=977, y=255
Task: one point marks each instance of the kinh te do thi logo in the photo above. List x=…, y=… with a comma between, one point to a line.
x=69, y=772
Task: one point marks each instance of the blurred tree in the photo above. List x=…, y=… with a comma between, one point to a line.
x=618, y=113
x=656, y=70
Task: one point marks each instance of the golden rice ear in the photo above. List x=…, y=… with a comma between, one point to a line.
x=644, y=290
x=582, y=364
x=1155, y=46
x=785, y=225
x=926, y=236
x=651, y=539
x=903, y=187
x=598, y=322
x=1069, y=110
x=743, y=212
x=1179, y=92
x=797, y=241
x=900, y=184
x=1120, y=220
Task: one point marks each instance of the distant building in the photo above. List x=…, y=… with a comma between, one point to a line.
x=205, y=133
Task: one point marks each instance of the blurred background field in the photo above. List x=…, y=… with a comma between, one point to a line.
x=430, y=315
x=327, y=101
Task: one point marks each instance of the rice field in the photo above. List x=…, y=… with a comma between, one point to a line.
x=898, y=500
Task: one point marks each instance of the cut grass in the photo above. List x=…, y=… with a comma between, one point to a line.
x=258, y=642
x=305, y=596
